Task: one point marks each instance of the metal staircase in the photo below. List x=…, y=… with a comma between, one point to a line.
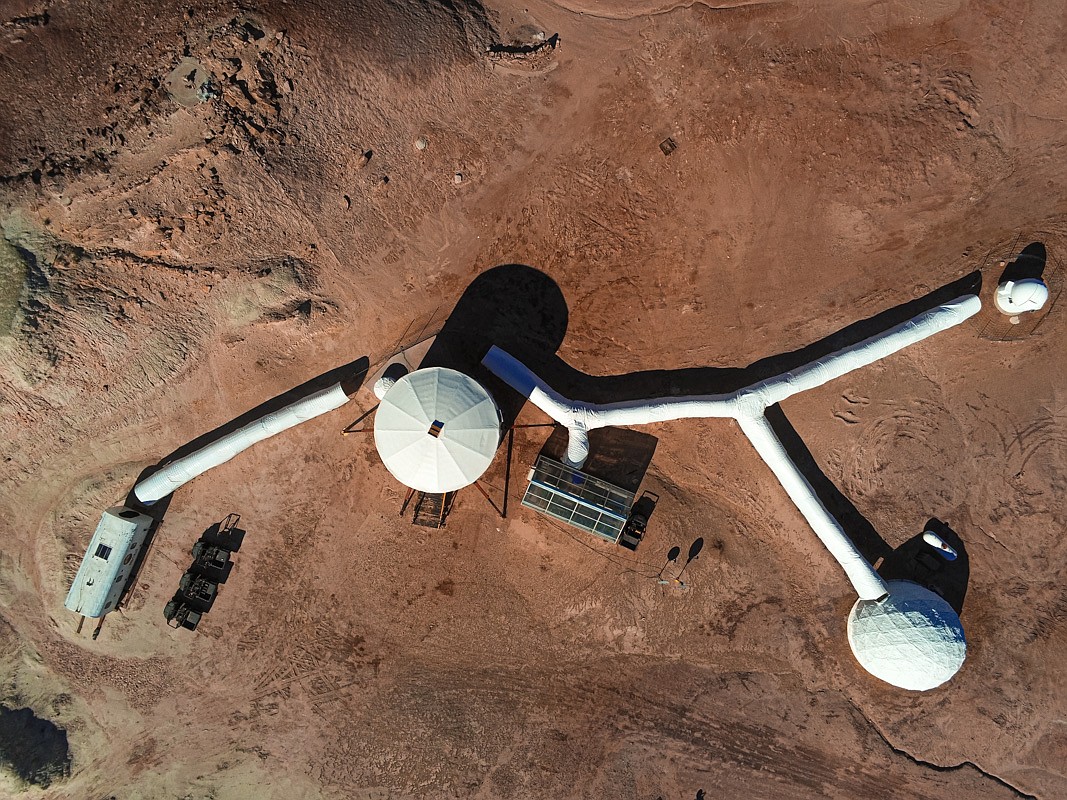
x=432, y=509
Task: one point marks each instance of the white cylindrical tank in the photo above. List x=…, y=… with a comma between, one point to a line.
x=1019, y=297
x=390, y=376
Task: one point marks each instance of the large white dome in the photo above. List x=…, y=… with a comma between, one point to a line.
x=912, y=639
x=437, y=430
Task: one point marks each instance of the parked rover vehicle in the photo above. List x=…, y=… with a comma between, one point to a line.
x=638, y=520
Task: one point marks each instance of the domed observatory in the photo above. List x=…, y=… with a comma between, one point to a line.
x=437, y=430
x=912, y=639
x=1018, y=297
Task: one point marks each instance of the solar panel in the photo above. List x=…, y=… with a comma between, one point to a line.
x=578, y=499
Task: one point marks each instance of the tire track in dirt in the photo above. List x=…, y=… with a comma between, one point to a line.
x=294, y=645
x=648, y=707
x=901, y=452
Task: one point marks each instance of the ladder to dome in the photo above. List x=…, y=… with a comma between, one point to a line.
x=431, y=509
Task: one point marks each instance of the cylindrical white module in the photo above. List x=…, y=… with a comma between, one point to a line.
x=865, y=580
x=177, y=473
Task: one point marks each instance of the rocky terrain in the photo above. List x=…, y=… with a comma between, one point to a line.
x=206, y=204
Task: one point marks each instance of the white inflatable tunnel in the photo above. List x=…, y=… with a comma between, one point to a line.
x=177, y=473
x=747, y=406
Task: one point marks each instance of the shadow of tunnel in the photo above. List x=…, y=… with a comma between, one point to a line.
x=856, y=526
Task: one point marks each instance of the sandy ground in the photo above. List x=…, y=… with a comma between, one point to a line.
x=176, y=252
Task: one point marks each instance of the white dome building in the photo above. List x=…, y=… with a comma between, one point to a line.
x=912, y=639
x=437, y=430
x=1018, y=297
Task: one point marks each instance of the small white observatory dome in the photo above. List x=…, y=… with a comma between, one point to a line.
x=912, y=639
x=1017, y=297
x=437, y=430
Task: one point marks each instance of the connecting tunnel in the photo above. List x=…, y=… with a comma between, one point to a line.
x=748, y=407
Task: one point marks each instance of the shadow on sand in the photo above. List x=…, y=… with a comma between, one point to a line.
x=620, y=456
x=856, y=526
x=513, y=306
x=1030, y=263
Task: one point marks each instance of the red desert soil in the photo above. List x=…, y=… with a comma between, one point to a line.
x=178, y=248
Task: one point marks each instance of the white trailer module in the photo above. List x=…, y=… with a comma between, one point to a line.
x=107, y=563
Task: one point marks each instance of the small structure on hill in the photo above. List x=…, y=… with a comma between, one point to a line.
x=106, y=566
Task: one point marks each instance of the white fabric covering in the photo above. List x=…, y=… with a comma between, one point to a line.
x=747, y=406
x=913, y=639
x=177, y=473
x=465, y=444
x=867, y=582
